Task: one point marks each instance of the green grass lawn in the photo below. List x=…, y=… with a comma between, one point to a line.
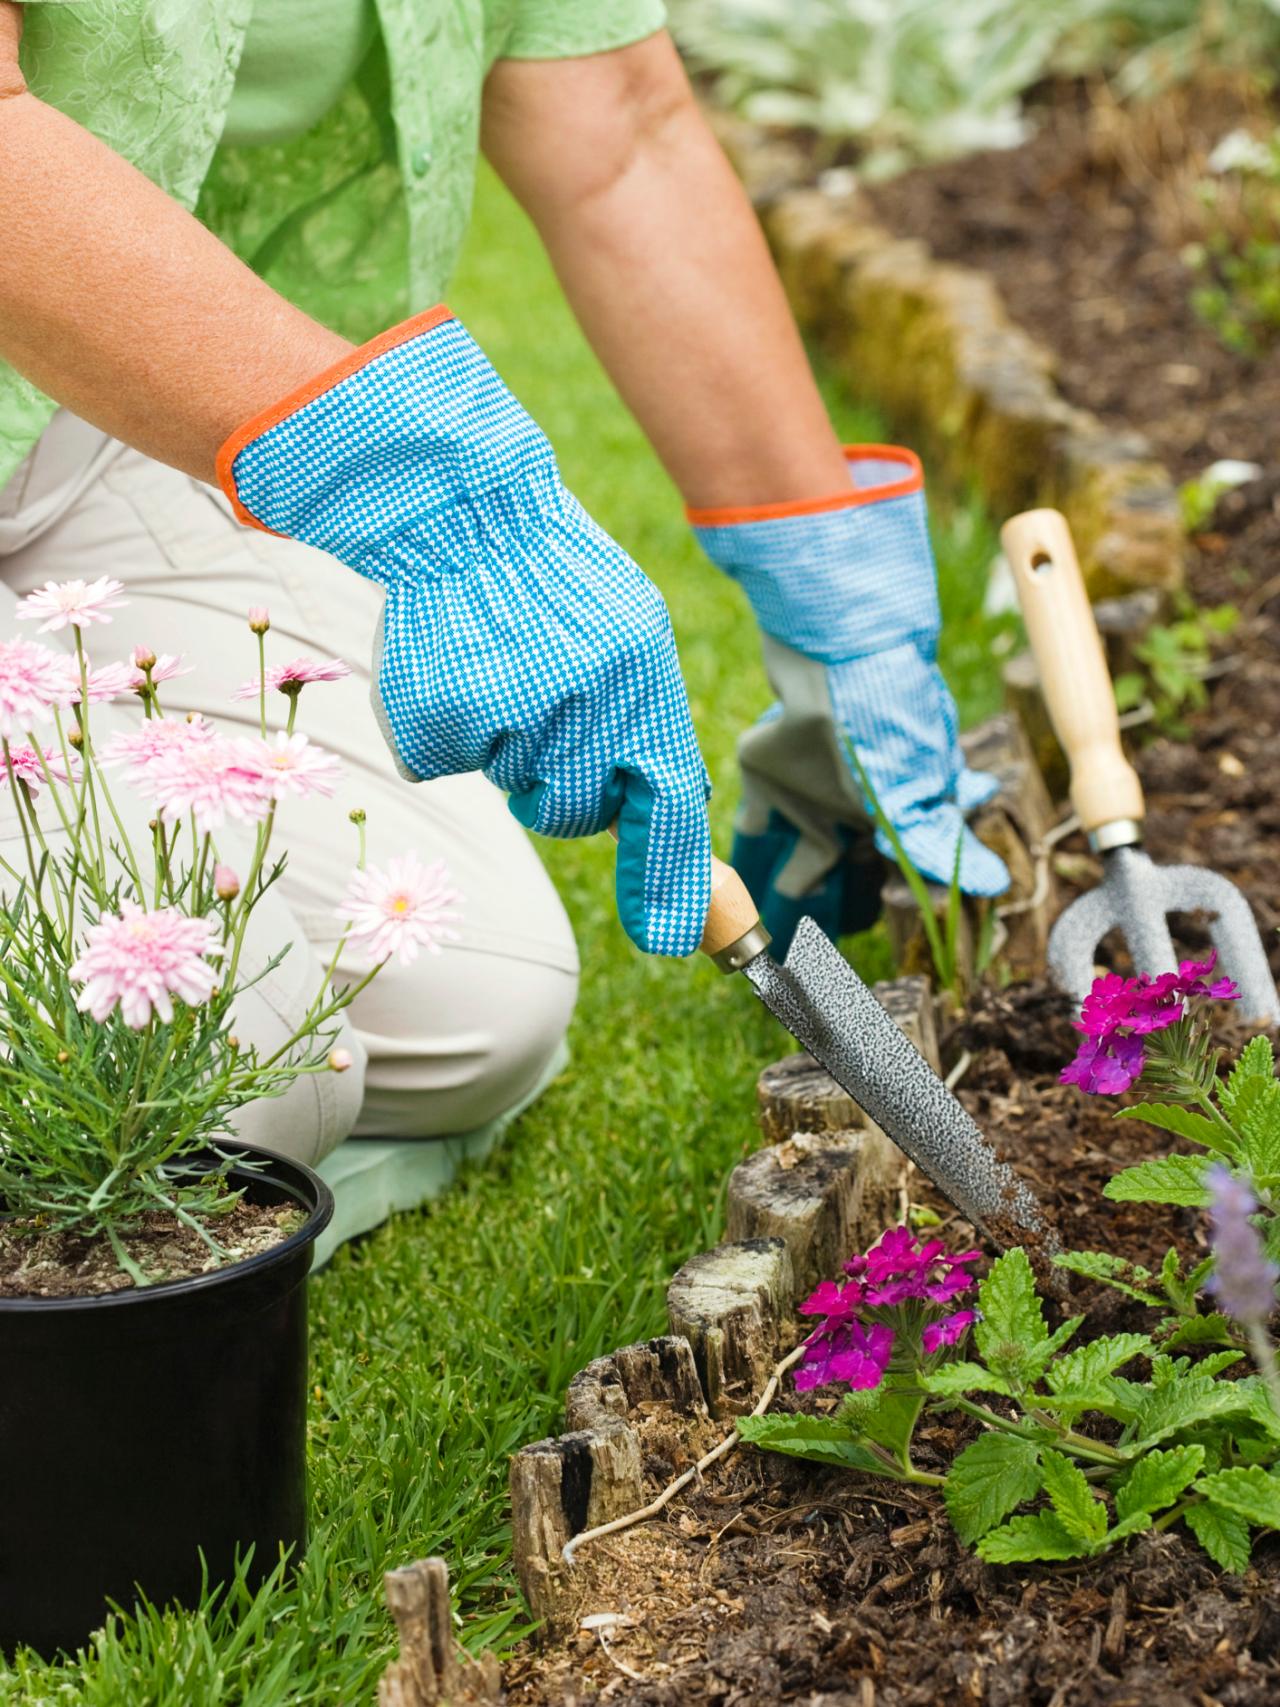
x=445, y=1341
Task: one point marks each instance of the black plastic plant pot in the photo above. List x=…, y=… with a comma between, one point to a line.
x=141, y=1430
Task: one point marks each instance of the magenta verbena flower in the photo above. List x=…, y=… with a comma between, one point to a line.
x=850, y=1353
x=139, y=961
x=292, y=677
x=949, y=1331
x=1118, y=1013
x=889, y=1299
x=1243, y=1279
x=402, y=910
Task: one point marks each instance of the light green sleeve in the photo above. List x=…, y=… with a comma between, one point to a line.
x=567, y=29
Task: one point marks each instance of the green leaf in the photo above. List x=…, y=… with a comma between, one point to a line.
x=1104, y=1398
x=1183, y=1123
x=1217, y=1361
x=1211, y=1329
x=1022, y=1539
x=1054, y=1344
x=989, y=1478
x=1255, y=1067
x=1156, y=1480
x=825, y=1440
x=1252, y=1493
x=1164, y=1179
x=1131, y=1525
x=1012, y=1325
x=1260, y=1130
x=890, y=1421
x=1113, y=1271
x=1223, y=1535
x=1077, y=1507
x=1182, y=1403
x=962, y=1377
x=1087, y=1366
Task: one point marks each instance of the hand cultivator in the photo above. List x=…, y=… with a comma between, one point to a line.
x=1135, y=896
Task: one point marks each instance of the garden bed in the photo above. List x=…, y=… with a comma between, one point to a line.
x=778, y=1581
x=1082, y=228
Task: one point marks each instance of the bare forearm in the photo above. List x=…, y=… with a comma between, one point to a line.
x=662, y=258
x=123, y=307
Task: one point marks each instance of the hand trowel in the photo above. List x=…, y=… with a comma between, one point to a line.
x=828, y=1009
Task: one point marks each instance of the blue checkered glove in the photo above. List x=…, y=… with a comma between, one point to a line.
x=517, y=638
x=846, y=595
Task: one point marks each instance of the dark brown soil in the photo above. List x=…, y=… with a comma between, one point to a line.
x=1083, y=228
x=781, y=1582
x=36, y=1263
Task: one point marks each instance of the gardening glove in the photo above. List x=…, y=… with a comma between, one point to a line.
x=516, y=637
x=846, y=596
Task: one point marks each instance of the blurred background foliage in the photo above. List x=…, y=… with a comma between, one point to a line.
x=916, y=80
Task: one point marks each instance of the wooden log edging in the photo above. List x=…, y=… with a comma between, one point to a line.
x=933, y=344
x=731, y=1311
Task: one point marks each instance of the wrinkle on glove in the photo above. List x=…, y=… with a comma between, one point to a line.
x=517, y=638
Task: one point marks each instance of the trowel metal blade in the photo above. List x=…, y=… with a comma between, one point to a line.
x=825, y=1005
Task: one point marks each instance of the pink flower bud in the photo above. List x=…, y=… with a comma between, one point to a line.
x=340, y=1060
x=226, y=885
x=259, y=619
x=144, y=658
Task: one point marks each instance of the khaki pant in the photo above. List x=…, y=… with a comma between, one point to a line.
x=442, y=1047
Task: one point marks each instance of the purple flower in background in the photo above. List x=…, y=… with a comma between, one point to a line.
x=949, y=1331
x=1243, y=1280
x=850, y=1353
x=1118, y=1013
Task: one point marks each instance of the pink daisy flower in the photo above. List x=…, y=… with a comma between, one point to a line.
x=402, y=910
x=109, y=682
x=141, y=750
x=163, y=668
x=205, y=777
x=33, y=679
x=140, y=961
x=24, y=762
x=288, y=766
x=59, y=604
x=292, y=678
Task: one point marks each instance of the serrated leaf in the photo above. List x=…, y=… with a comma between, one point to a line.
x=825, y=1440
x=1075, y=1400
x=1164, y=1179
x=1260, y=1131
x=1127, y=1526
x=1217, y=1361
x=1122, y=1276
x=1054, y=1344
x=989, y=1478
x=1211, y=1329
x=1024, y=1539
x=1087, y=1366
x=1255, y=1067
x=1168, y=1409
x=1223, y=1535
x=1012, y=1325
x=963, y=1377
x=1156, y=1480
x=1252, y=1493
x=1073, y=1500
x=1183, y=1123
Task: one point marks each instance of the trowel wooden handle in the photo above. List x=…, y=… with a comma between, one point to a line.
x=732, y=917
x=1073, y=667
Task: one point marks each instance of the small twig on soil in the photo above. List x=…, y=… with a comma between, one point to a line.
x=722, y=1450
x=1040, y=852
x=958, y=1072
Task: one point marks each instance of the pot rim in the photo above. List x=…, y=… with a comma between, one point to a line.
x=295, y=1177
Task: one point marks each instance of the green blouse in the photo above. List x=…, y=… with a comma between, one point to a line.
x=359, y=220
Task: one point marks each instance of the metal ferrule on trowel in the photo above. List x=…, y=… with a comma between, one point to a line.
x=1135, y=896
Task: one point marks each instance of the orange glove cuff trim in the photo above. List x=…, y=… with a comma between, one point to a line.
x=912, y=481
x=308, y=392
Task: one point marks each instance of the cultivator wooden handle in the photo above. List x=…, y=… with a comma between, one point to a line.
x=1105, y=790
